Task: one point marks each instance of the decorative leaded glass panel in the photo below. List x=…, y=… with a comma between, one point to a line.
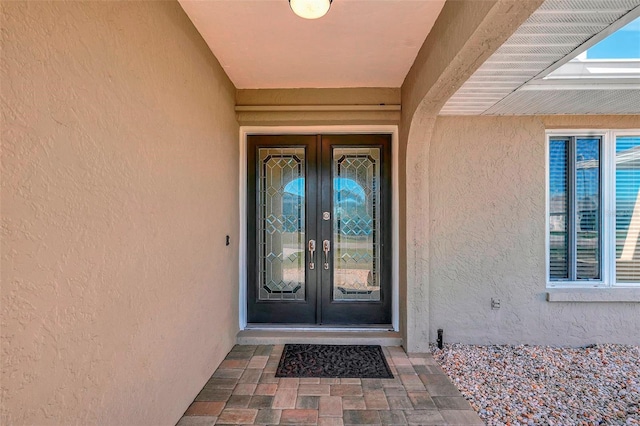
x=356, y=224
x=281, y=223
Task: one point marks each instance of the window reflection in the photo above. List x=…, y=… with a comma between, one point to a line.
x=349, y=201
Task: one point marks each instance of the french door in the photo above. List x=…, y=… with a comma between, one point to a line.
x=319, y=229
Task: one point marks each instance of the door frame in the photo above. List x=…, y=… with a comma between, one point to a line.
x=315, y=130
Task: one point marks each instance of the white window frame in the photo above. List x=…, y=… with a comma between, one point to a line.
x=608, y=207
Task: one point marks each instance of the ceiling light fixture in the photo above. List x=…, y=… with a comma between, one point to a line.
x=310, y=9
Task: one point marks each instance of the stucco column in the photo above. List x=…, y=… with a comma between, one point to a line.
x=466, y=33
x=417, y=228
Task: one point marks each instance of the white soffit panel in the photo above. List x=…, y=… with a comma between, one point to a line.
x=552, y=35
x=532, y=102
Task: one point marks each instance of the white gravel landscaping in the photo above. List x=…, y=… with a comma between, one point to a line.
x=540, y=385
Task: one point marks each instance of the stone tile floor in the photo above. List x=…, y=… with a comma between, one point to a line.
x=244, y=390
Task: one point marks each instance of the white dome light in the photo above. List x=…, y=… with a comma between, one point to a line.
x=310, y=9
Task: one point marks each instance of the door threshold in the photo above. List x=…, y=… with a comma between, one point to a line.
x=317, y=335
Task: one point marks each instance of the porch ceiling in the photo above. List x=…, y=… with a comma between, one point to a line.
x=510, y=81
x=261, y=44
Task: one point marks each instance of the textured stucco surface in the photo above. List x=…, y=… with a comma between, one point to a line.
x=464, y=36
x=119, y=184
x=487, y=227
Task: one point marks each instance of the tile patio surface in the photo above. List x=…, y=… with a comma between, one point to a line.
x=244, y=390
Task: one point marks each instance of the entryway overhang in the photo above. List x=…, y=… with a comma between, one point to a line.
x=535, y=72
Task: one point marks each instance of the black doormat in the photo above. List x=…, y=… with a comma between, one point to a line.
x=337, y=361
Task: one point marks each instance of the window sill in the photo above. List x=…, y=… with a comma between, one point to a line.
x=587, y=295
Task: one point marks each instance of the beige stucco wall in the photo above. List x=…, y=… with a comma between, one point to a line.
x=487, y=228
x=119, y=184
x=465, y=34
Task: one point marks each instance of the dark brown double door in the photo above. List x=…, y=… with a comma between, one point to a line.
x=319, y=222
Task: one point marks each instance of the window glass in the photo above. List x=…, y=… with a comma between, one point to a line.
x=558, y=210
x=627, y=209
x=587, y=208
x=594, y=209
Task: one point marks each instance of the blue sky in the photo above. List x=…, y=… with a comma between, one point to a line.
x=624, y=43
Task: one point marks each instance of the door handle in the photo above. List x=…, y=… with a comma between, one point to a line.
x=312, y=250
x=326, y=247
